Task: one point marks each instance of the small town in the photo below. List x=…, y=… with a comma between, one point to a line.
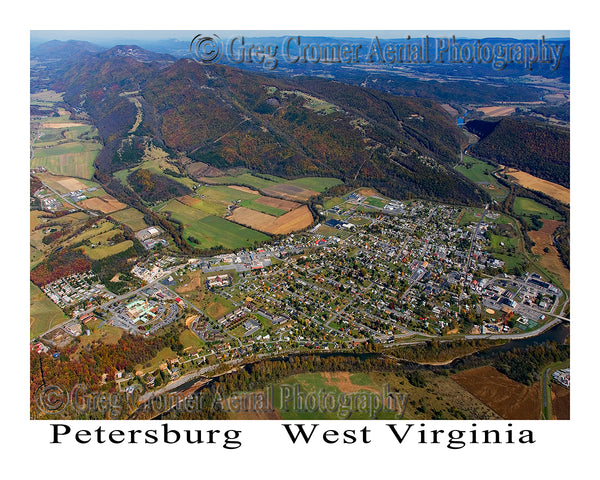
x=387, y=274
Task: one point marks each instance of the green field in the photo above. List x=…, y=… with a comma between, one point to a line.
x=246, y=179
x=481, y=172
x=318, y=382
x=376, y=202
x=254, y=205
x=43, y=312
x=528, y=207
x=131, y=217
x=182, y=213
x=213, y=231
x=163, y=355
x=68, y=151
x=189, y=340
x=318, y=184
x=103, y=251
x=225, y=194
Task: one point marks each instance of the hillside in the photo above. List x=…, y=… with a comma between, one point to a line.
x=226, y=117
x=540, y=150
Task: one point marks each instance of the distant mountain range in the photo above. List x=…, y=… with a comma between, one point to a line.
x=228, y=117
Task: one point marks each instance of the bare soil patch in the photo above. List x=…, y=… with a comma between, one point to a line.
x=201, y=169
x=561, y=402
x=194, y=284
x=509, y=399
x=105, y=204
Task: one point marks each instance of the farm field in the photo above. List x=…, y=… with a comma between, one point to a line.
x=511, y=400
x=131, y=217
x=561, y=402
x=551, y=261
x=43, y=312
x=103, y=251
x=480, y=172
x=318, y=184
x=496, y=111
x=528, y=207
x=553, y=190
x=66, y=148
x=295, y=220
x=288, y=191
x=246, y=179
x=212, y=231
x=105, y=204
x=261, y=207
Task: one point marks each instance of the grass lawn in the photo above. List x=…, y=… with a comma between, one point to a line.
x=218, y=306
x=190, y=341
x=43, y=312
x=332, y=202
x=479, y=171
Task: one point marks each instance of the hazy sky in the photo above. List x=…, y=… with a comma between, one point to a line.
x=108, y=36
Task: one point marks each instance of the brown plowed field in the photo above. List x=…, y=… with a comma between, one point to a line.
x=509, y=399
x=278, y=203
x=105, y=204
x=289, y=192
x=561, y=402
x=551, y=260
x=290, y=222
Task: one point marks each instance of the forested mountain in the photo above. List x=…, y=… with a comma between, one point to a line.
x=228, y=117
x=538, y=149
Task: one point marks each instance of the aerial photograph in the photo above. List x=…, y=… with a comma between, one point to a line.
x=299, y=225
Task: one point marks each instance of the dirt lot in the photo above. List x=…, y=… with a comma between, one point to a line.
x=72, y=184
x=278, y=203
x=290, y=222
x=194, y=284
x=561, y=402
x=290, y=192
x=551, y=260
x=511, y=400
x=496, y=111
x=105, y=204
x=534, y=183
